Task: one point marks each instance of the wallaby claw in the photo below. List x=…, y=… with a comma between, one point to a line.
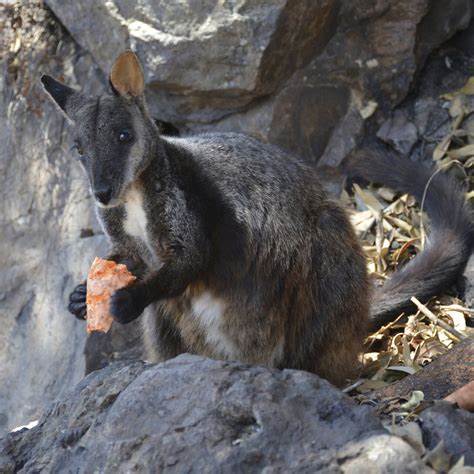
x=77, y=301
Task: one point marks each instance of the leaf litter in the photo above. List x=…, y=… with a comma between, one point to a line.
x=392, y=234
x=391, y=227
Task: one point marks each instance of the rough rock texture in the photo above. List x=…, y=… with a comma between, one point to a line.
x=193, y=414
x=454, y=427
x=296, y=72
x=470, y=283
x=204, y=55
x=306, y=75
x=49, y=233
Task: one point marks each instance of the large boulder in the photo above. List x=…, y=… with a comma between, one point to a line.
x=300, y=74
x=451, y=428
x=203, y=59
x=192, y=414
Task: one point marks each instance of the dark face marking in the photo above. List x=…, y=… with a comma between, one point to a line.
x=114, y=138
x=108, y=142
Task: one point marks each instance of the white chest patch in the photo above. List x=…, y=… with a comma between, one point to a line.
x=135, y=222
x=209, y=312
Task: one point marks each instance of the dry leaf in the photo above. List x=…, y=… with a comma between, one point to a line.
x=467, y=89
x=368, y=198
x=402, y=368
x=460, y=468
x=368, y=110
x=458, y=318
x=442, y=148
x=462, y=152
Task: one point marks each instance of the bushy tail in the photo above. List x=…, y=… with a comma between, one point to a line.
x=448, y=246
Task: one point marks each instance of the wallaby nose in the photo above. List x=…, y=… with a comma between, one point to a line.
x=103, y=195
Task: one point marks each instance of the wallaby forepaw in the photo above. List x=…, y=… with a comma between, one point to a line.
x=77, y=301
x=125, y=306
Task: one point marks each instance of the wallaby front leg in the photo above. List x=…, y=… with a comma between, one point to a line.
x=134, y=263
x=170, y=281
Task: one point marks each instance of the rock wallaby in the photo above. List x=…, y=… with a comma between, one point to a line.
x=239, y=251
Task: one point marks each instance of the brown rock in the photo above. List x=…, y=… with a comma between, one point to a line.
x=463, y=396
x=442, y=377
x=305, y=116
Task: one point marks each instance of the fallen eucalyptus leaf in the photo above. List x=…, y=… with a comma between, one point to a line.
x=417, y=396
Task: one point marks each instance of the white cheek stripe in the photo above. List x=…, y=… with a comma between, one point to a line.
x=136, y=221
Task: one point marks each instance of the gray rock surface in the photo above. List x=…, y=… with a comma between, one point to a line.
x=399, y=132
x=44, y=208
x=452, y=426
x=206, y=56
x=470, y=283
x=45, y=211
x=288, y=71
x=192, y=414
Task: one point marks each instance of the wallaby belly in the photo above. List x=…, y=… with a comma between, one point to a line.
x=208, y=312
x=217, y=327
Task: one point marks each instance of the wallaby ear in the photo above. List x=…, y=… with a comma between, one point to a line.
x=126, y=75
x=68, y=99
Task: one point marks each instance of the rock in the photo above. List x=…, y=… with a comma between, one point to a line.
x=441, y=377
x=120, y=343
x=305, y=116
x=49, y=232
x=192, y=414
x=255, y=121
x=318, y=111
x=454, y=427
x=344, y=139
x=202, y=55
x=301, y=74
x=399, y=132
x=438, y=25
x=294, y=72
x=469, y=291
x=45, y=207
x=431, y=119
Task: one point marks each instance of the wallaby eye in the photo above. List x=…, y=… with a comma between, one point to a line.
x=76, y=151
x=124, y=136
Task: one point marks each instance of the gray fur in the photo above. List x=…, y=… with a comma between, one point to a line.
x=239, y=251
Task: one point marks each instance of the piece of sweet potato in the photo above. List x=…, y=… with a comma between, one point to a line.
x=105, y=277
x=463, y=396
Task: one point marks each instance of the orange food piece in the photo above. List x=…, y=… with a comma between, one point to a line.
x=463, y=396
x=105, y=277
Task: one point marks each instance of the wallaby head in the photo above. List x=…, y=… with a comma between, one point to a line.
x=114, y=137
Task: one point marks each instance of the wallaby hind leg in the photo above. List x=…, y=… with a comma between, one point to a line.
x=160, y=335
x=339, y=362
